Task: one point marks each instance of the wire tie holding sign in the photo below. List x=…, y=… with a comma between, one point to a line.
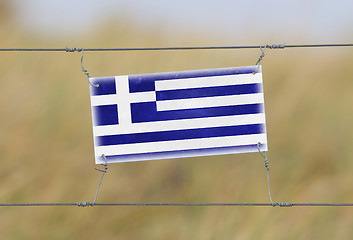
x=260, y=59
x=67, y=49
x=263, y=154
x=85, y=71
x=262, y=55
x=103, y=172
x=279, y=204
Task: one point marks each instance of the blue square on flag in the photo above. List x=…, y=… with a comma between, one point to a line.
x=178, y=114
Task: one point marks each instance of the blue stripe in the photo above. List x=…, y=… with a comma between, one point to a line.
x=180, y=134
x=145, y=82
x=147, y=112
x=106, y=86
x=181, y=153
x=208, y=92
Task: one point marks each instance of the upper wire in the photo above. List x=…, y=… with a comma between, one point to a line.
x=270, y=46
x=84, y=204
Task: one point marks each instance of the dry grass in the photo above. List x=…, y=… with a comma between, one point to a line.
x=47, y=149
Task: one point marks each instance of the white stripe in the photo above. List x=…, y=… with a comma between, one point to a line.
x=122, y=89
x=179, y=124
x=133, y=98
x=143, y=97
x=104, y=100
x=178, y=145
x=215, y=81
x=204, y=102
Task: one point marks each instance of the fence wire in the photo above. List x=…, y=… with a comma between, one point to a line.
x=88, y=204
x=93, y=204
x=269, y=46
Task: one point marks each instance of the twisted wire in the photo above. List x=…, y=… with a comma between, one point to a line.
x=263, y=154
x=82, y=67
x=103, y=172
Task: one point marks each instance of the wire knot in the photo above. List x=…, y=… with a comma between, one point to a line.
x=263, y=154
x=283, y=204
x=261, y=56
x=276, y=46
x=68, y=49
x=105, y=165
x=267, y=164
x=84, y=204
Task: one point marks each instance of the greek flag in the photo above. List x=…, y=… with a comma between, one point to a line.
x=178, y=114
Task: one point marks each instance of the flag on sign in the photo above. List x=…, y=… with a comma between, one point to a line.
x=178, y=114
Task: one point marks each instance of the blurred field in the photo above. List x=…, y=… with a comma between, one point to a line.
x=47, y=148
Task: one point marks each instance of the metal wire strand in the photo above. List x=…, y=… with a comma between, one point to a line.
x=83, y=69
x=261, y=57
x=270, y=46
x=263, y=154
x=86, y=204
x=103, y=172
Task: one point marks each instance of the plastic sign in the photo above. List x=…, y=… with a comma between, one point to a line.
x=178, y=114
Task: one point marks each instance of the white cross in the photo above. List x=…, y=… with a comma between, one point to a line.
x=123, y=98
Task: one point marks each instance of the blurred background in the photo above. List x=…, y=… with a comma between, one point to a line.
x=46, y=134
